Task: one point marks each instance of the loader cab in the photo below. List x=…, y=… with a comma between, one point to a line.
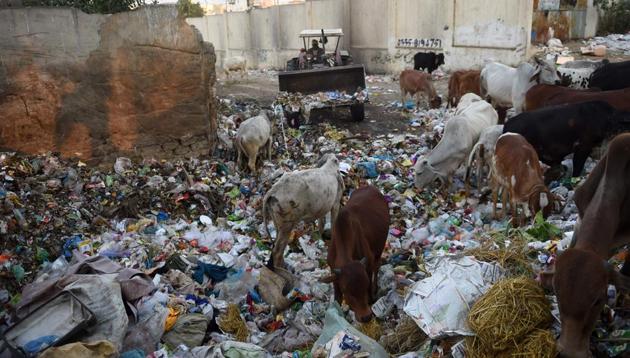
x=320, y=49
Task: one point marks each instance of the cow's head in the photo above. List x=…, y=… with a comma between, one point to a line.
x=546, y=72
x=424, y=173
x=580, y=282
x=543, y=200
x=439, y=60
x=353, y=282
x=329, y=159
x=436, y=102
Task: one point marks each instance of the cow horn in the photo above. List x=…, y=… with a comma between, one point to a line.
x=364, y=261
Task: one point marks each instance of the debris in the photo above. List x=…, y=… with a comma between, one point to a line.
x=455, y=283
x=507, y=313
x=338, y=335
x=98, y=349
x=232, y=322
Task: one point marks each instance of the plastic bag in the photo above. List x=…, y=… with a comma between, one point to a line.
x=334, y=323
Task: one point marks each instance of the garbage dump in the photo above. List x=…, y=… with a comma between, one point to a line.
x=153, y=258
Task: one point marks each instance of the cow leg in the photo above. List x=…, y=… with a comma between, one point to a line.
x=579, y=159
x=375, y=279
x=481, y=162
x=495, y=198
x=338, y=295
x=238, y=158
x=251, y=163
x=269, y=148
x=403, y=93
x=281, y=242
x=320, y=225
x=504, y=202
x=333, y=214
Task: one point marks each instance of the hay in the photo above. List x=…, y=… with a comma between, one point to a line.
x=513, y=258
x=540, y=343
x=508, y=312
x=232, y=322
x=372, y=329
x=406, y=337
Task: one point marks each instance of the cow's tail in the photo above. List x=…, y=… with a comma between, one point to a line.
x=483, y=84
x=478, y=146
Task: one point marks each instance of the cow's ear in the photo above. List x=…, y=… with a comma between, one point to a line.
x=536, y=76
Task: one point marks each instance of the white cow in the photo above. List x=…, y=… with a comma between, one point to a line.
x=482, y=152
x=462, y=131
x=306, y=195
x=506, y=86
x=235, y=64
x=252, y=135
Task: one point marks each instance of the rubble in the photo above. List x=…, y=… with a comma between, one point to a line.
x=191, y=231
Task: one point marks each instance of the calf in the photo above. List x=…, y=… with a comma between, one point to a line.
x=462, y=82
x=611, y=76
x=414, y=83
x=429, y=61
x=548, y=95
x=252, y=135
x=354, y=255
x=558, y=131
x=462, y=131
x=304, y=195
x=507, y=86
x=582, y=272
x=483, y=152
x=235, y=64
x=515, y=169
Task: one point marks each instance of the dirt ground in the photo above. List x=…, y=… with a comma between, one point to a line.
x=381, y=115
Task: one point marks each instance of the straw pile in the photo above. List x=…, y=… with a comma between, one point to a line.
x=406, y=337
x=513, y=258
x=371, y=329
x=506, y=319
x=232, y=322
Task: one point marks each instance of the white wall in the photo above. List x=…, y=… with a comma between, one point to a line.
x=470, y=31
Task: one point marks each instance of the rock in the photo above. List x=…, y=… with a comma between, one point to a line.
x=97, y=87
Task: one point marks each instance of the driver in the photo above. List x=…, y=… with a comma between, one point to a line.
x=316, y=50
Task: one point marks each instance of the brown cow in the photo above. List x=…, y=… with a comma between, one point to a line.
x=515, y=169
x=543, y=95
x=462, y=82
x=582, y=272
x=414, y=83
x=354, y=255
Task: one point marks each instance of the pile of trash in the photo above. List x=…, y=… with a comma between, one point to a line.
x=167, y=259
x=613, y=42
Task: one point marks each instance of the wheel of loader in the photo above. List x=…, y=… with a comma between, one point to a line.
x=358, y=112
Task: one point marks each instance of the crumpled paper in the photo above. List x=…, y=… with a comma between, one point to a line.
x=439, y=304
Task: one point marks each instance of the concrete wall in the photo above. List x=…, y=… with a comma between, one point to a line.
x=137, y=84
x=469, y=31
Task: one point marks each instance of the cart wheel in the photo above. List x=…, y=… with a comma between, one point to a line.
x=358, y=112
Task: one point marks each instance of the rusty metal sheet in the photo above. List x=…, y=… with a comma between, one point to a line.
x=567, y=25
